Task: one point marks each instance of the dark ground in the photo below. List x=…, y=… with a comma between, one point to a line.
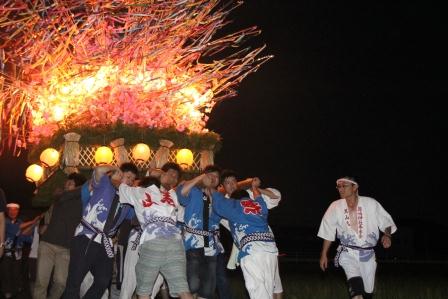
x=300, y=278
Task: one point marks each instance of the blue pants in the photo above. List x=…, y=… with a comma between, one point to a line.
x=201, y=273
x=222, y=284
x=87, y=255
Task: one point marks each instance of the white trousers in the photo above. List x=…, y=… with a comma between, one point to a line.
x=259, y=274
x=349, y=261
x=278, y=287
x=233, y=263
x=130, y=279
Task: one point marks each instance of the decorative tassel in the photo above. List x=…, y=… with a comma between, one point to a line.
x=70, y=157
x=120, y=152
x=206, y=158
x=162, y=155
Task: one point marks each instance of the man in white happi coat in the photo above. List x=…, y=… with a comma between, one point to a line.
x=161, y=249
x=357, y=222
x=129, y=277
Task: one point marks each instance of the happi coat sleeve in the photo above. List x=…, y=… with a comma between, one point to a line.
x=270, y=202
x=328, y=225
x=384, y=219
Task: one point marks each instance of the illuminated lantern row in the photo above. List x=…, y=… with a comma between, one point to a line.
x=49, y=158
x=103, y=155
x=141, y=152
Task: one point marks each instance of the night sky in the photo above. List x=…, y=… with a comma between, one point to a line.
x=353, y=90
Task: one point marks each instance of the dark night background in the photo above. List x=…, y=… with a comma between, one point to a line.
x=354, y=89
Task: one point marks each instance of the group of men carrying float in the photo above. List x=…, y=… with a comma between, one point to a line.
x=176, y=241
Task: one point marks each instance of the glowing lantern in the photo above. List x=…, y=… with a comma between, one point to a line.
x=34, y=173
x=49, y=157
x=184, y=157
x=103, y=155
x=141, y=152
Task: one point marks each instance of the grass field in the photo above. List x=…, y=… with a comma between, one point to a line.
x=393, y=281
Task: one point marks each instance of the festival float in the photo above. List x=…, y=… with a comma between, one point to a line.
x=90, y=82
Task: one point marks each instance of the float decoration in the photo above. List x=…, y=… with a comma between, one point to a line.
x=152, y=64
x=78, y=74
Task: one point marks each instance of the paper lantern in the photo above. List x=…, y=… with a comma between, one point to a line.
x=184, y=157
x=34, y=173
x=103, y=155
x=49, y=157
x=141, y=152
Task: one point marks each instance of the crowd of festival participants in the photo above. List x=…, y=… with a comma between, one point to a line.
x=160, y=235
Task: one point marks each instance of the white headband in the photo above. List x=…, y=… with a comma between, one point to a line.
x=13, y=205
x=346, y=180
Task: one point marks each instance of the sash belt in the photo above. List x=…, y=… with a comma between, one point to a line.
x=341, y=247
x=200, y=232
x=151, y=221
x=266, y=237
x=104, y=237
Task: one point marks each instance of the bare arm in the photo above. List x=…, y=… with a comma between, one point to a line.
x=245, y=184
x=186, y=187
x=255, y=185
x=324, y=255
x=268, y=193
x=25, y=225
x=386, y=239
x=154, y=172
x=102, y=170
x=27, y=231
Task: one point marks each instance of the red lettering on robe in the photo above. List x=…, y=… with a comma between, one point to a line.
x=147, y=202
x=251, y=207
x=166, y=198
